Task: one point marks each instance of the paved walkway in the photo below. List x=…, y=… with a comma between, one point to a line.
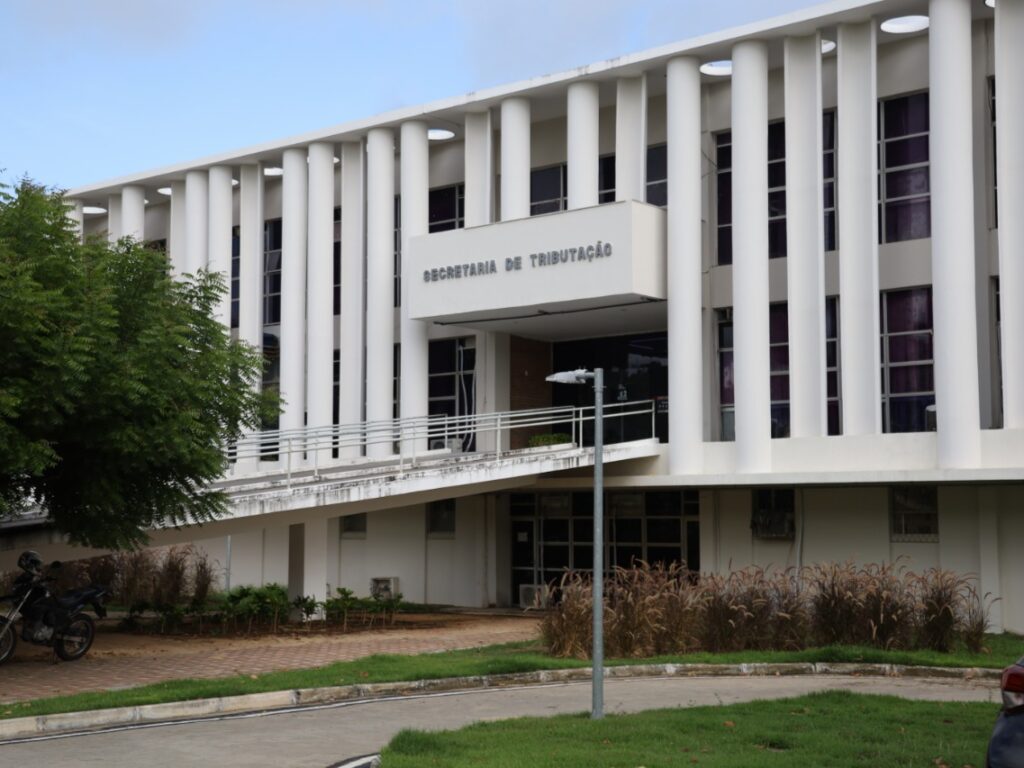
x=37, y=677
x=319, y=737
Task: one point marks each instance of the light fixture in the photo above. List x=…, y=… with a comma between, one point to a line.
x=273, y=170
x=234, y=182
x=904, y=25
x=440, y=134
x=337, y=160
x=166, y=191
x=145, y=201
x=92, y=210
x=827, y=46
x=721, y=68
x=990, y=3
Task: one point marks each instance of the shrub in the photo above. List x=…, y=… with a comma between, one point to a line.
x=307, y=605
x=170, y=585
x=134, y=583
x=940, y=594
x=975, y=619
x=339, y=606
x=554, y=438
x=835, y=603
x=567, y=630
x=888, y=606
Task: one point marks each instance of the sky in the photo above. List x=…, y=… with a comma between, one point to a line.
x=91, y=90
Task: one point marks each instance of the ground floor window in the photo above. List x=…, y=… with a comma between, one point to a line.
x=552, y=532
x=914, y=513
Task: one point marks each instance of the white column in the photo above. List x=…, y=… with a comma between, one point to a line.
x=176, y=237
x=685, y=273
x=631, y=138
x=353, y=255
x=989, y=582
x=1010, y=174
x=858, y=229
x=805, y=237
x=250, y=269
x=415, y=171
x=196, y=220
x=479, y=163
x=293, y=291
x=76, y=217
x=219, y=235
x=321, y=541
x=250, y=255
x=133, y=212
x=380, y=261
x=952, y=173
x=750, y=255
x=583, y=151
x=320, y=291
x=113, y=218
x=515, y=158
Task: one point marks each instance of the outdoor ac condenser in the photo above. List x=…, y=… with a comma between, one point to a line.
x=384, y=587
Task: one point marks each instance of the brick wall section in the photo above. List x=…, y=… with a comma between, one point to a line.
x=530, y=362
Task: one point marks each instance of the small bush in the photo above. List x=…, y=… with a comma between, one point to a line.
x=555, y=438
x=975, y=619
x=941, y=594
x=136, y=570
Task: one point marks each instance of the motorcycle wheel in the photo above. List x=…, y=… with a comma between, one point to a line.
x=76, y=639
x=8, y=640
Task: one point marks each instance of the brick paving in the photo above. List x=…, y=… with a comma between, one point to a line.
x=37, y=677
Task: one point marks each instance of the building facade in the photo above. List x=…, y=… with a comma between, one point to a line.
x=793, y=247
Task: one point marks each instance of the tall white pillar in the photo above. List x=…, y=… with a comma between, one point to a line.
x=293, y=290
x=858, y=229
x=1010, y=193
x=250, y=255
x=380, y=260
x=197, y=213
x=583, y=150
x=631, y=139
x=176, y=242
x=113, y=218
x=219, y=236
x=805, y=237
x=953, y=296
x=479, y=163
x=353, y=256
x=515, y=158
x=321, y=542
x=133, y=212
x=750, y=255
x=415, y=175
x=685, y=268
x=320, y=291
x=76, y=217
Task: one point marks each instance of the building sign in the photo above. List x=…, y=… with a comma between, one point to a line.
x=596, y=257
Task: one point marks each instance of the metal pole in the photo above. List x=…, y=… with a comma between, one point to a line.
x=597, y=685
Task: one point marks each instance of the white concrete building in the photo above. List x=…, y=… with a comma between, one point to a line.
x=792, y=246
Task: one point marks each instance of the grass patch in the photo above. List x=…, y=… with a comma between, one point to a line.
x=836, y=729
x=490, y=660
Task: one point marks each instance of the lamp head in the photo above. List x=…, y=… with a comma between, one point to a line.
x=579, y=376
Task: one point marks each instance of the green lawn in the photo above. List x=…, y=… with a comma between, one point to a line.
x=835, y=729
x=490, y=660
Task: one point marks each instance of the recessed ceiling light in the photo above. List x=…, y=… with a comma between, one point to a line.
x=92, y=210
x=904, y=25
x=166, y=191
x=722, y=68
x=337, y=160
x=234, y=182
x=440, y=134
x=990, y=3
x=273, y=170
x=827, y=46
x=145, y=201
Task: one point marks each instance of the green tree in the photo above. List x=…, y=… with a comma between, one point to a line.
x=118, y=387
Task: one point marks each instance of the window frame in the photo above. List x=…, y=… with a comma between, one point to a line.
x=900, y=515
x=884, y=169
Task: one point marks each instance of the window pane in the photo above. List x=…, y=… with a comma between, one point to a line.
x=907, y=414
x=906, y=151
x=627, y=529
x=907, y=220
x=828, y=130
x=441, y=386
x=776, y=174
x=664, y=555
x=777, y=203
x=555, y=530
x=726, y=393
x=778, y=323
x=913, y=181
x=780, y=420
x=725, y=245
x=442, y=204
x=909, y=310
x=555, y=557
x=777, y=239
x=546, y=183
x=657, y=163
x=657, y=194
x=906, y=115
x=903, y=349
x=663, y=503
x=724, y=198
x=776, y=140
x=779, y=359
x=829, y=166
x=780, y=387
x=905, y=379
x=830, y=230
x=664, y=530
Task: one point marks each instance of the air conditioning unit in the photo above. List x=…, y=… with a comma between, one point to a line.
x=534, y=595
x=384, y=587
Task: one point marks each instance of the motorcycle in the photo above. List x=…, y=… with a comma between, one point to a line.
x=56, y=621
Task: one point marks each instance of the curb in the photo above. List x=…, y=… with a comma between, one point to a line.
x=258, y=702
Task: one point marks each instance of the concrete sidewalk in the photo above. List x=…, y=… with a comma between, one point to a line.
x=37, y=677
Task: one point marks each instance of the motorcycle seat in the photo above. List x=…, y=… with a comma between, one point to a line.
x=77, y=596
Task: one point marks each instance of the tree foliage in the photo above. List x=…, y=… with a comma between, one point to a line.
x=118, y=387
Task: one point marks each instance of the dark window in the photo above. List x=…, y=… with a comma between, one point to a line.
x=272, y=272
x=398, y=250
x=548, y=189
x=446, y=208
x=441, y=518
x=908, y=386
x=657, y=175
x=235, y=276
x=915, y=513
x=606, y=179
x=832, y=381
x=353, y=526
x=774, y=513
x=903, y=162
x=829, y=173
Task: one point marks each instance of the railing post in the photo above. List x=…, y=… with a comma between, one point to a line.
x=289, y=462
x=654, y=412
x=497, y=436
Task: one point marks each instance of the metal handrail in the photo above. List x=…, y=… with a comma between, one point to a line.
x=305, y=447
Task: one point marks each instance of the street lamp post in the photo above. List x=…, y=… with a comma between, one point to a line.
x=582, y=376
